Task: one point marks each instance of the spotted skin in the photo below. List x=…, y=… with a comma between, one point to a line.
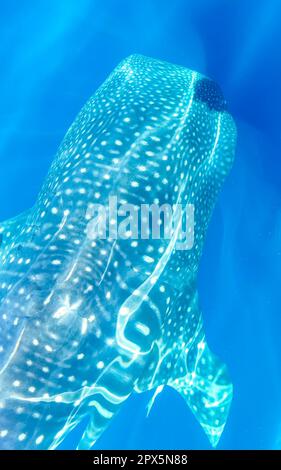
x=85, y=323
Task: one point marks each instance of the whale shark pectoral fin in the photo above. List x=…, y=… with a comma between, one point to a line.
x=97, y=405
x=207, y=390
x=134, y=349
x=106, y=397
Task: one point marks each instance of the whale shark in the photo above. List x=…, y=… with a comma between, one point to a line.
x=88, y=321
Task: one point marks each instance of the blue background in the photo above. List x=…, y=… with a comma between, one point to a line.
x=53, y=56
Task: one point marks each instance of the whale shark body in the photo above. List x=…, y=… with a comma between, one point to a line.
x=86, y=322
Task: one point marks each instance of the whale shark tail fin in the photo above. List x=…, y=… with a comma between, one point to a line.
x=208, y=392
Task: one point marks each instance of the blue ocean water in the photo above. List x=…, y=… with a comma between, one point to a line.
x=53, y=56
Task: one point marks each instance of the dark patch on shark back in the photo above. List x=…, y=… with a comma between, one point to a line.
x=209, y=92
